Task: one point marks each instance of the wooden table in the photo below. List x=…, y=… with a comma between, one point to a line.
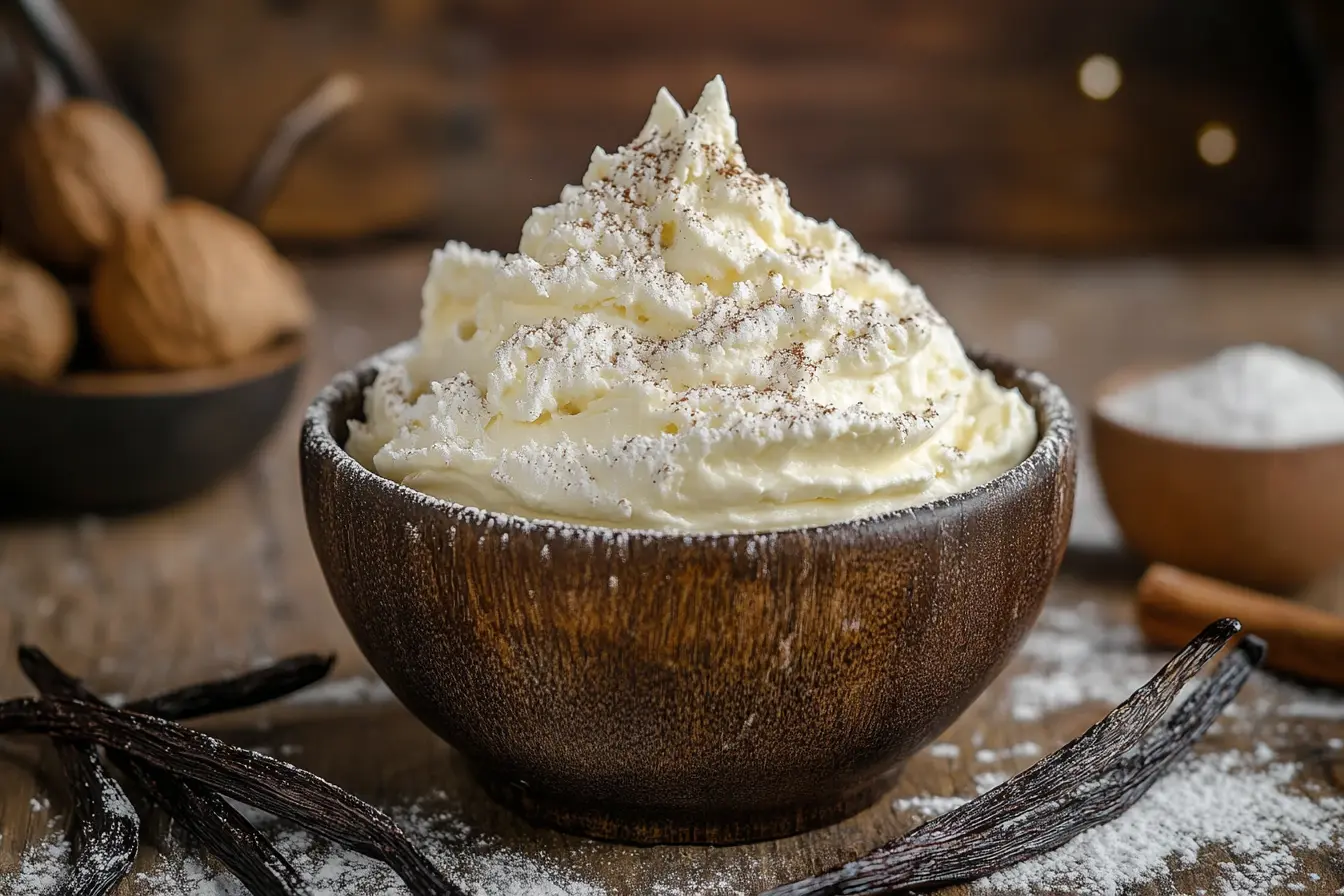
x=229, y=579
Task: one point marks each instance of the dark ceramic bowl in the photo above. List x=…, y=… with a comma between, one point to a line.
x=120, y=442
x=655, y=687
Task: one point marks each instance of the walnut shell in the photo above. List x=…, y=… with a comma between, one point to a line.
x=37, y=321
x=193, y=286
x=81, y=170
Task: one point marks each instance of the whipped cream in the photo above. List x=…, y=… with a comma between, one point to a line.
x=674, y=347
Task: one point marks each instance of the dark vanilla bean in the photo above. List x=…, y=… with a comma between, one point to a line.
x=239, y=692
x=1091, y=780
x=222, y=830
x=218, y=827
x=104, y=829
x=261, y=781
x=1116, y=733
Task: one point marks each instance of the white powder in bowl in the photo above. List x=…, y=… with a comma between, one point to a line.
x=1250, y=396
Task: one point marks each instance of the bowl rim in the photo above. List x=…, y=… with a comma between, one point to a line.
x=284, y=352
x=1134, y=374
x=318, y=441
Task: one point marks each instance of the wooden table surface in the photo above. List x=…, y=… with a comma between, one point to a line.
x=228, y=579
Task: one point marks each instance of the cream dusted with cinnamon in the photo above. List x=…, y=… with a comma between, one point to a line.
x=674, y=347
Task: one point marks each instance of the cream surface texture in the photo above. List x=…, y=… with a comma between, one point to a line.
x=674, y=347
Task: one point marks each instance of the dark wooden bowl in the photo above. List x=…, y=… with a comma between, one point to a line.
x=121, y=442
x=655, y=687
x=1271, y=519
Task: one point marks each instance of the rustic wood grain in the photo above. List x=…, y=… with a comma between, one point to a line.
x=210, y=586
x=520, y=643
x=942, y=121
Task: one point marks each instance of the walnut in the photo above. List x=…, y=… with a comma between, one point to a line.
x=80, y=170
x=193, y=286
x=37, y=321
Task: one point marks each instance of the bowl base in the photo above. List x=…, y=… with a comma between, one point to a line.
x=652, y=826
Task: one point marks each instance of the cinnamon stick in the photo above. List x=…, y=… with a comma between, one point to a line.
x=1305, y=641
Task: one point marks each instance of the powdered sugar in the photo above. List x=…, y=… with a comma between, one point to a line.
x=1322, y=707
x=929, y=805
x=987, y=781
x=1251, y=396
x=342, y=692
x=1208, y=801
x=41, y=869
x=478, y=864
x=1079, y=657
x=1247, y=805
x=1026, y=749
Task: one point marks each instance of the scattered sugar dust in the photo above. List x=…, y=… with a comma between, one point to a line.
x=987, y=781
x=1079, y=656
x=1239, y=813
x=42, y=869
x=1210, y=802
x=1315, y=707
x=1228, y=801
x=929, y=805
x=478, y=864
x=342, y=692
x=1026, y=750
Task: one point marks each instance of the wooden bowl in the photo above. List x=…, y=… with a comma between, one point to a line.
x=658, y=687
x=1271, y=519
x=120, y=442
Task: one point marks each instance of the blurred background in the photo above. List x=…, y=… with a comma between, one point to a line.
x=1042, y=125
x=1082, y=186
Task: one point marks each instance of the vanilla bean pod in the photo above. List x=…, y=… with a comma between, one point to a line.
x=1116, y=733
x=205, y=816
x=1045, y=825
x=221, y=829
x=239, y=692
x=1091, y=780
x=1123, y=785
x=105, y=828
x=1105, y=743
x=261, y=781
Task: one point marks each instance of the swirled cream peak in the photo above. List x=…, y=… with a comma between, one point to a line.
x=674, y=347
